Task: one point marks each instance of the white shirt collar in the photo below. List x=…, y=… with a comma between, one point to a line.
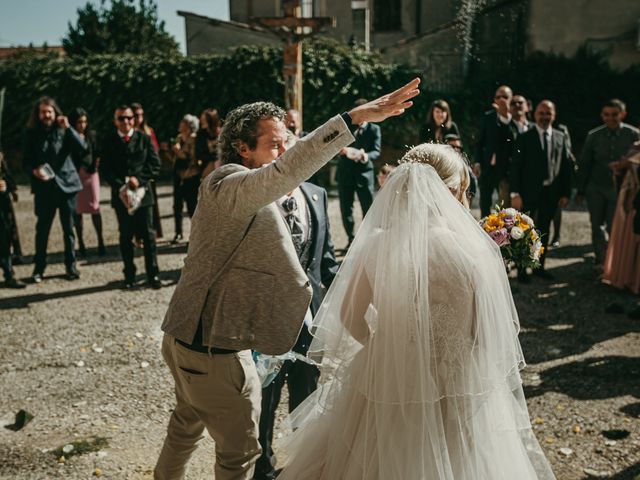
x=128, y=134
x=549, y=130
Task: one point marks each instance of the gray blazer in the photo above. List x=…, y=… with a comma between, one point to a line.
x=259, y=298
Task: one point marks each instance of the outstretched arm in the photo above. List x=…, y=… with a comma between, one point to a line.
x=262, y=186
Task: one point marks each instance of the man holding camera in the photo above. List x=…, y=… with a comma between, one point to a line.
x=50, y=141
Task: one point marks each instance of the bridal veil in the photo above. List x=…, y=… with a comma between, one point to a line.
x=417, y=340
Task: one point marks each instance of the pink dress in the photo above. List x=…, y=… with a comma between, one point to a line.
x=622, y=263
x=88, y=199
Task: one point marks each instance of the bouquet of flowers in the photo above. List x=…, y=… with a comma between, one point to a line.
x=514, y=233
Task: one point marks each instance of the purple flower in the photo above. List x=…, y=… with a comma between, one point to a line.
x=500, y=236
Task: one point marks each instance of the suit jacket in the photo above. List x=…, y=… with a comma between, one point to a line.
x=242, y=275
x=370, y=140
x=57, y=147
x=529, y=167
x=499, y=138
x=137, y=158
x=322, y=266
x=5, y=197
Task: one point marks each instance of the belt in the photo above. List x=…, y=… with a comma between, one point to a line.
x=206, y=349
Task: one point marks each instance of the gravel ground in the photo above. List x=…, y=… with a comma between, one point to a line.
x=84, y=358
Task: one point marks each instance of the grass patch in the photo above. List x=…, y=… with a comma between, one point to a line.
x=80, y=447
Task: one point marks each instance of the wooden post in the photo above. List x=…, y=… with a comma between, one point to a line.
x=292, y=28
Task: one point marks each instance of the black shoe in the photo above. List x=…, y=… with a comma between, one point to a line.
x=542, y=273
x=155, y=283
x=634, y=314
x=36, y=277
x=555, y=243
x=176, y=239
x=72, y=274
x=13, y=283
x=102, y=251
x=614, y=308
x=82, y=250
x=129, y=283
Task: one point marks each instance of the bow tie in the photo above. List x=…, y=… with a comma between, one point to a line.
x=126, y=138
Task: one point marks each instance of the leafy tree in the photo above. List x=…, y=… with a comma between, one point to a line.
x=120, y=27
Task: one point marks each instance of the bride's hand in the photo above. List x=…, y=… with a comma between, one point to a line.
x=389, y=105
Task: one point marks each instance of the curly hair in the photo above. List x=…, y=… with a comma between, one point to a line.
x=241, y=126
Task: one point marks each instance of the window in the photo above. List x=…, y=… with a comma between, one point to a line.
x=387, y=15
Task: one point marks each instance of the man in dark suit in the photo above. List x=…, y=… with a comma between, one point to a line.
x=7, y=188
x=494, y=150
x=305, y=213
x=129, y=161
x=50, y=142
x=355, y=172
x=540, y=176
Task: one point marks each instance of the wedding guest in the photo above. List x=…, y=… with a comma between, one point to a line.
x=540, y=176
x=494, y=150
x=293, y=122
x=129, y=161
x=384, y=173
x=50, y=143
x=355, y=172
x=439, y=123
x=604, y=145
x=231, y=298
x=7, y=188
x=455, y=142
x=88, y=200
x=305, y=211
x=557, y=220
x=519, y=108
x=16, y=246
x=186, y=172
x=622, y=261
x=207, y=141
x=141, y=124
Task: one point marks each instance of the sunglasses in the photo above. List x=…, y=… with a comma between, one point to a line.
x=124, y=118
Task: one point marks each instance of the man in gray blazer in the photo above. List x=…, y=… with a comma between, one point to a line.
x=242, y=287
x=596, y=182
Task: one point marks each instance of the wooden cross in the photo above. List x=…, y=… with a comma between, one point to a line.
x=292, y=28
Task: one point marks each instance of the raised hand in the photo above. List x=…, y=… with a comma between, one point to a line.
x=389, y=105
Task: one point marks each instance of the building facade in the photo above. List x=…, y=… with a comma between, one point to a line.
x=451, y=35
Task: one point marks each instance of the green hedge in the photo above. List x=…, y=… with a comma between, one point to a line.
x=334, y=77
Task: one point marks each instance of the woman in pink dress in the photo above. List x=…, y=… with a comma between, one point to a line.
x=88, y=199
x=622, y=263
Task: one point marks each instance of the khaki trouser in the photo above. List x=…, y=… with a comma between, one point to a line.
x=220, y=393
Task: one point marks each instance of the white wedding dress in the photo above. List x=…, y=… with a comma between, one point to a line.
x=418, y=340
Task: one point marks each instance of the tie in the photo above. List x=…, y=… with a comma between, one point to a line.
x=545, y=149
x=295, y=225
x=126, y=138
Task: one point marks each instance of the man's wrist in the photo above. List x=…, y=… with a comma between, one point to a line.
x=348, y=119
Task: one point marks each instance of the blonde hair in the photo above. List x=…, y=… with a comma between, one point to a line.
x=448, y=164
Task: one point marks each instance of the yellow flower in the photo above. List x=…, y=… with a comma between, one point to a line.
x=541, y=250
x=493, y=223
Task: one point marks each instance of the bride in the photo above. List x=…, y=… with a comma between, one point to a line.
x=418, y=338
